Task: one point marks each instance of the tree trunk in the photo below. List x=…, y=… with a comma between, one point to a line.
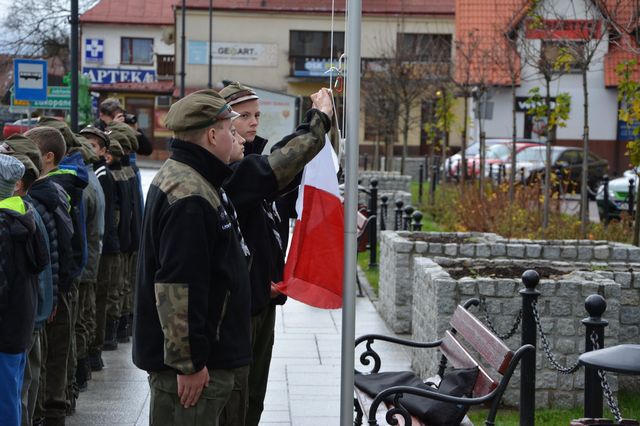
x=388, y=164
x=376, y=153
x=463, y=145
x=547, y=165
x=514, y=137
x=636, y=222
x=584, y=192
x=405, y=140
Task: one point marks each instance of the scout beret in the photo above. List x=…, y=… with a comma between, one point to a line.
x=198, y=110
x=22, y=145
x=121, y=138
x=94, y=131
x=11, y=171
x=236, y=93
x=27, y=163
x=88, y=154
x=116, y=126
x=68, y=135
x=115, y=148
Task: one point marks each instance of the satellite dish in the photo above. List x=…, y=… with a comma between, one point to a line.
x=169, y=35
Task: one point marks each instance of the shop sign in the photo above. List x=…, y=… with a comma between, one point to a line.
x=118, y=75
x=229, y=53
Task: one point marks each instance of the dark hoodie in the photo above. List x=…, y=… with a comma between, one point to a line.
x=23, y=256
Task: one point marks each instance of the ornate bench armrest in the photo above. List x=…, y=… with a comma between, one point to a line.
x=370, y=353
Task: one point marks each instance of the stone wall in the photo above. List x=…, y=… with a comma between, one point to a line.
x=439, y=285
x=398, y=249
x=391, y=181
x=412, y=166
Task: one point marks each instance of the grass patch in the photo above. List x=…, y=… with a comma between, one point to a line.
x=629, y=405
x=373, y=274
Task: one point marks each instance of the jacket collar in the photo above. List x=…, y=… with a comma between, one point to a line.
x=205, y=163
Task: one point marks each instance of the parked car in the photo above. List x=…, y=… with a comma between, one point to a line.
x=618, y=195
x=568, y=159
x=18, y=126
x=497, y=155
x=473, y=151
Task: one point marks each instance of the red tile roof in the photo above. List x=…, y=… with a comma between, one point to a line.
x=164, y=87
x=481, y=26
x=147, y=12
x=369, y=7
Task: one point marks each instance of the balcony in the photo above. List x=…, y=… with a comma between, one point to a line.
x=166, y=67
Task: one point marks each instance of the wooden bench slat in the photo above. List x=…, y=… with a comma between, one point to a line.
x=488, y=345
x=458, y=357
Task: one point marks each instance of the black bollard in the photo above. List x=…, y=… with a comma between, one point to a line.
x=473, y=169
x=459, y=170
x=499, y=174
x=522, y=179
x=398, y=215
x=595, y=306
x=420, y=180
x=491, y=173
x=408, y=211
x=417, y=220
x=605, y=208
x=631, y=197
x=373, y=229
x=383, y=212
x=529, y=294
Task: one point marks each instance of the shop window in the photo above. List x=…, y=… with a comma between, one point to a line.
x=136, y=51
x=551, y=53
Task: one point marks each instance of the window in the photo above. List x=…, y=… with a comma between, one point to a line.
x=315, y=44
x=425, y=47
x=551, y=51
x=136, y=51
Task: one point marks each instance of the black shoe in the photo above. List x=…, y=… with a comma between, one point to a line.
x=95, y=361
x=123, y=329
x=81, y=374
x=110, y=342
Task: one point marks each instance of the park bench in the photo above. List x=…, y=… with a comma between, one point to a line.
x=495, y=361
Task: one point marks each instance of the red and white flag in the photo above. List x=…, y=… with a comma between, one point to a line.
x=313, y=271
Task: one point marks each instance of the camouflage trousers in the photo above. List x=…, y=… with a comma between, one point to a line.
x=165, y=408
x=31, y=380
x=72, y=360
x=130, y=263
x=54, y=375
x=262, y=337
x=108, y=281
x=86, y=324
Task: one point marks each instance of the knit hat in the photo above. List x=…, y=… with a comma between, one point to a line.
x=236, y=93
x=22, y=145
x=68, y=135
x=116, y=149
x=198, y=110
x=117, y=127
x=11, y=171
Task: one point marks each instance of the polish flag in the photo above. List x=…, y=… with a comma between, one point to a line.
x=313, y=271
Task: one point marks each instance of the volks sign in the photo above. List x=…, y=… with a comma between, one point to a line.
x=117, y=75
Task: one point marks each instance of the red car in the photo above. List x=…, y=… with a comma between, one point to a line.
x=496, y=155
x=20, y=126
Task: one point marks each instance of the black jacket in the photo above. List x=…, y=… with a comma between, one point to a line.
x=256, y=182
x=24, y=254
x=122, y=206
x=256, y=146
x=134, y=204
x=110, y=241
x=192, y=290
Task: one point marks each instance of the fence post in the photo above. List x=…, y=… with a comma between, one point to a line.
x=595, y=306
x=417, y=220
x=373, y=229
x=605, y=182
x=459, y=170
x=398, y=216
x=529, y=294
x=383, y=212
x=491, y=172
x=407, y=217
x=420, y=180
x=522, y=179
x=473, y=169
x=631, y=197
x=499, y=174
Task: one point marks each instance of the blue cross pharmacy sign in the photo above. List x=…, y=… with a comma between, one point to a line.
x=94, y=50
x=30, y=79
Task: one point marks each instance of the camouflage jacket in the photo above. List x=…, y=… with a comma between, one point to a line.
x=192, y=303
x=257, y=180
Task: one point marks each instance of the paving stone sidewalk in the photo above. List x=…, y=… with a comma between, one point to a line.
x=304, y=384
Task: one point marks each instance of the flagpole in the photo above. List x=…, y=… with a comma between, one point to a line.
x=350, y=209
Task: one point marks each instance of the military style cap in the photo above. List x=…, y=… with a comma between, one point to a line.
x=110, y=105
x=121, y=139
x=236, y=93
x=69, y=137
x=198, y=110
x=128, y=132
x=22, y=145
x=27, y=163
x=116, y=149
x=94, y=131
x=88, y=154
x=11, y=171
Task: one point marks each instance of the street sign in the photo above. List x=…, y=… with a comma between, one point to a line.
x=58, y=97
x=30, y=79
x=94, y=50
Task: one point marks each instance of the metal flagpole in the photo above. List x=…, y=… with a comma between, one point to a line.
x=74, y=65
x=350, y=209
x=183, y=46
x=210, y=85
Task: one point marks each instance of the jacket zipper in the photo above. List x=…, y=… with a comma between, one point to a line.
x=222, y=314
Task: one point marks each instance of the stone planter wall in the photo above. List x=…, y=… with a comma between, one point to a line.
x=436, y=293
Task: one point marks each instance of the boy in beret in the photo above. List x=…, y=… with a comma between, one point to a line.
x=257, y=181
x=191, y=313
x=23, y=255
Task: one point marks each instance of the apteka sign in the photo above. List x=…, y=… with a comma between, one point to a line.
x=119, y=75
